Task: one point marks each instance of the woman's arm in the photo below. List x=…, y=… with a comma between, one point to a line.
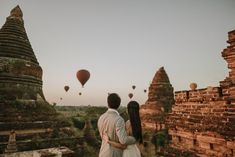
x=117, y=145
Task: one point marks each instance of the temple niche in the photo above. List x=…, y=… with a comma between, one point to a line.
x=23, y=107
x=159, y=103
x=203, y=120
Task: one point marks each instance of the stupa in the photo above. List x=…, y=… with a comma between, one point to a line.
x=23, y=107
x=20, y=73
x=159, y=103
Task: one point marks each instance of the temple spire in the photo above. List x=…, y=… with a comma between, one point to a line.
x=16, y=13
x=161, y=76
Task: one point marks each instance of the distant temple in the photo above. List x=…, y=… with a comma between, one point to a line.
x=159, y=103
x=23, y=107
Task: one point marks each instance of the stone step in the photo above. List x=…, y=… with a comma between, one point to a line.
x=26, y=125
x=27, y=134
x=26, y=145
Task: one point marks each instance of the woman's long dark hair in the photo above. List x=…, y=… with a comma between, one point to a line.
x=133, y=112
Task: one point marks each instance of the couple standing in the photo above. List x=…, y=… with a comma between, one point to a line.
x=119, y=139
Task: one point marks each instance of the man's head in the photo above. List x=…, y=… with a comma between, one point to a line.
x=114, y=101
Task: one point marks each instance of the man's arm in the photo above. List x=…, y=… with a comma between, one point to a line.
x=117, y=145
x=113, y=143
x=121, y=133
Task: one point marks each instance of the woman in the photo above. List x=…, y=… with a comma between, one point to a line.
x=133, y=128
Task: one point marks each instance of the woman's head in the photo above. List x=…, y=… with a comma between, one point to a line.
x=133, y=112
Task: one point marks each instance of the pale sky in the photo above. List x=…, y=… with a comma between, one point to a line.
x=123, y=43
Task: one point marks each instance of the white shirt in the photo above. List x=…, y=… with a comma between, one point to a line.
x=110, y=109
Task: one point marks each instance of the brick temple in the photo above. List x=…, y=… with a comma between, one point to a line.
x=159, y=103
x=23, y=107
x=203, y=120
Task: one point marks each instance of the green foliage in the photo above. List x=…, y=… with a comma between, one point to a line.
x=160, y=139
x=147, y=135
x=89, y=110
x=78, y=115
x=94, y=122
x=78, y=122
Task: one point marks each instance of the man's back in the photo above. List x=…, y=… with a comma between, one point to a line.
x=107, y=125
x=113, y=125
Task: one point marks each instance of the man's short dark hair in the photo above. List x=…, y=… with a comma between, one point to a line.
x=114, y=101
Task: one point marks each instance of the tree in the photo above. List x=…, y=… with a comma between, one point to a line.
x=159, y=139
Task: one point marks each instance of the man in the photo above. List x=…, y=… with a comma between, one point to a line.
x=112, y=125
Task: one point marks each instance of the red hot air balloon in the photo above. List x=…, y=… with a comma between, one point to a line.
x=66, y=88
x=133, y=87
x=130, y=95
x=83, y=76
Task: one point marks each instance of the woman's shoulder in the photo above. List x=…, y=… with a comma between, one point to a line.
x=128, y=127
x=128, y=123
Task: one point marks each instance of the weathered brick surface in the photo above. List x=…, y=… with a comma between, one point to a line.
x=200, y=95
x=203, y=120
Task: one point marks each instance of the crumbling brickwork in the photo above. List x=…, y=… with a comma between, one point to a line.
x=203, y=120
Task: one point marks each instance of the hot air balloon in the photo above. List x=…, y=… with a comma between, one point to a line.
x=83, y=76
x=66, y=88
x=133, y=87
x=130, y=95
x=145, y=90
x=80, y=93
x=193, y=86
x=61, y=98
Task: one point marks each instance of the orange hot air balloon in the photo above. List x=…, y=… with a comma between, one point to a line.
x=83, y=76
x=80, y=93
x=130, y=95
x=133, y=87
x=66, y=88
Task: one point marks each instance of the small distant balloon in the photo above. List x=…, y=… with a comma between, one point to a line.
x=66, y=88
x=193, y=86
x=133, y=87
x=61, y=98
x=145, y=90
x=83, y=76
x=80, y=93
x=130, y=95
